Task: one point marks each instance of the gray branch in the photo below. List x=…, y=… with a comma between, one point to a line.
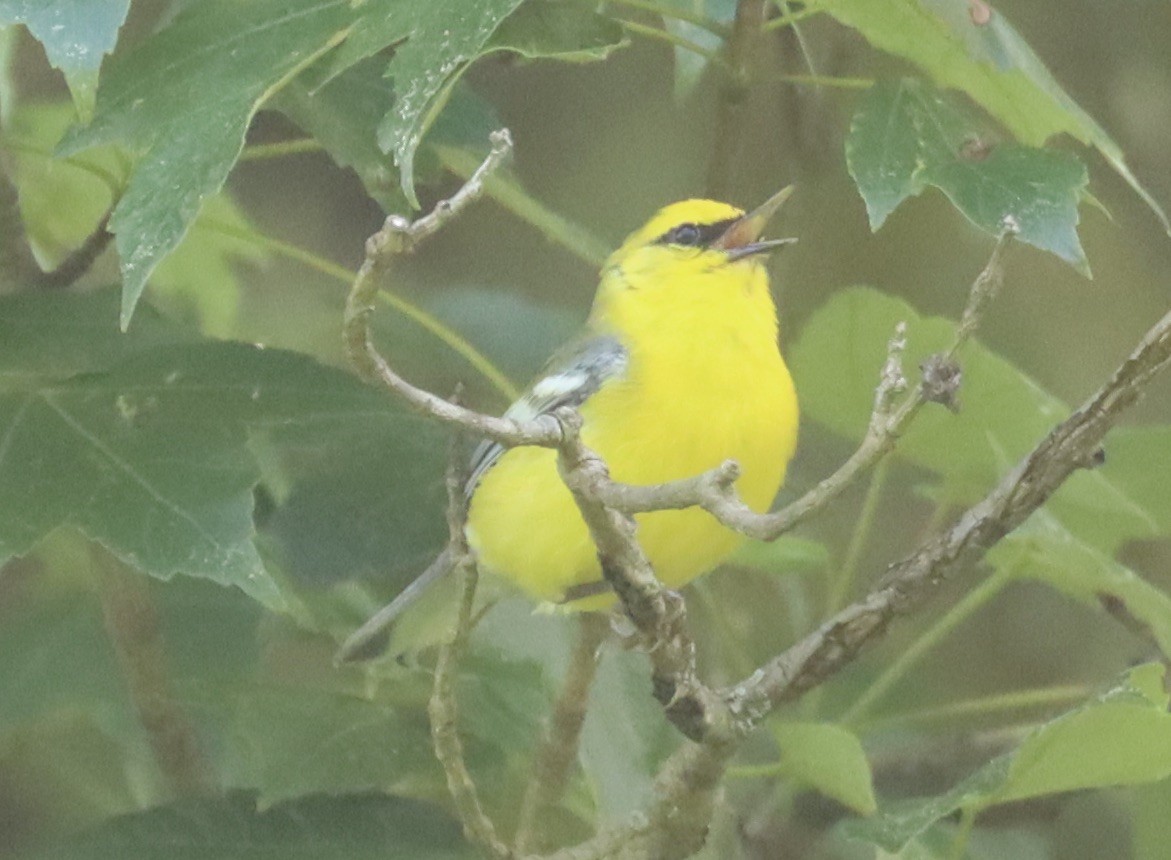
x=1074, y=444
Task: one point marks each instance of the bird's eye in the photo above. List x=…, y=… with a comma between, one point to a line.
x=686, y=234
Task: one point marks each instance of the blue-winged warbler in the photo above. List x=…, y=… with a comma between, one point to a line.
x=678, y=370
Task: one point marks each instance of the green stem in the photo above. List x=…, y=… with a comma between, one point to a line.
x=114, y=183
x=448, y=336
x=715, y=27
x=844, y=582
x=263, y=151
x=918, y=649
x=788, y=18
x=672, y=39
x=828, y=81
x=791, y=20
x=1017, y=700
x=516, y=200
x=730, y=638
x=959, y=845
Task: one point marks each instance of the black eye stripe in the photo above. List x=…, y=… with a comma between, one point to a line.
x=695, y=235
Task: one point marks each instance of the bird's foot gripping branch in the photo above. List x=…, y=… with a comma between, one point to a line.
x=716, y=720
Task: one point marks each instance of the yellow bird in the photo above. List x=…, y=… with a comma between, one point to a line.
x=678, y=370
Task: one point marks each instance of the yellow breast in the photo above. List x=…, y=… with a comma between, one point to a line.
x=705, y=382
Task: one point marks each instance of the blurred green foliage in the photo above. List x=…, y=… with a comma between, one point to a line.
x=269, y=502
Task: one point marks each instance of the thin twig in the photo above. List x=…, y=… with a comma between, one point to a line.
x=18, y=265
x=512, y=196
x=80, y=261
x=444, y=716
x=659, y=614
x=1072, y=445
x=714, y=491
x=443, y=708
x=557, y=752
x=400, y=236
x=678, y=12
x=675, y=40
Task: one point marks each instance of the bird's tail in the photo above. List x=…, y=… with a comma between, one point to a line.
x=369, y=640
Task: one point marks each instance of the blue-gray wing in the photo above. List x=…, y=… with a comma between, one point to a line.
x=574, y=372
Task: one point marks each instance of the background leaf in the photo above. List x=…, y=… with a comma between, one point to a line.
x=829, y=759
x=1043, y=549
x=151, y=456
x=991, y=63
x=1004, y=412
x=182, y=100
x=906, y=136
x=354, y=828
x=1121, y=737
x=76, y=35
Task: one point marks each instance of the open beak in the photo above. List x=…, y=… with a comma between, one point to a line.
x=742, y=239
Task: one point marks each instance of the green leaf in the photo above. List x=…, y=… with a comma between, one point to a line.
x=357, y=827
x=690, y=65
x=1122, y=737
x=200, y=276
x=990, y=62
x=1150, y=823
x=558, y=30
x=343, y=115
x=57, y=658
x=289, y=741
x=57, y=335
x=883, y=148
x=829, y=759
x=624, y=738
x=1137, y=458
x=76, y=35
x=183, y=100
x=152, y=458
x=426, y=68
x=502, y=699
x=1044, y=549
x=1004, y=412
x=67, y=774
x=62, y=201
x=906, y=137
x=901, y=822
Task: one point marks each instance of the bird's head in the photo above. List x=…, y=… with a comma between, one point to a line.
x=697, y=237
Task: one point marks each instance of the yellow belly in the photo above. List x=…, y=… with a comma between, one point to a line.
x=524, y=525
